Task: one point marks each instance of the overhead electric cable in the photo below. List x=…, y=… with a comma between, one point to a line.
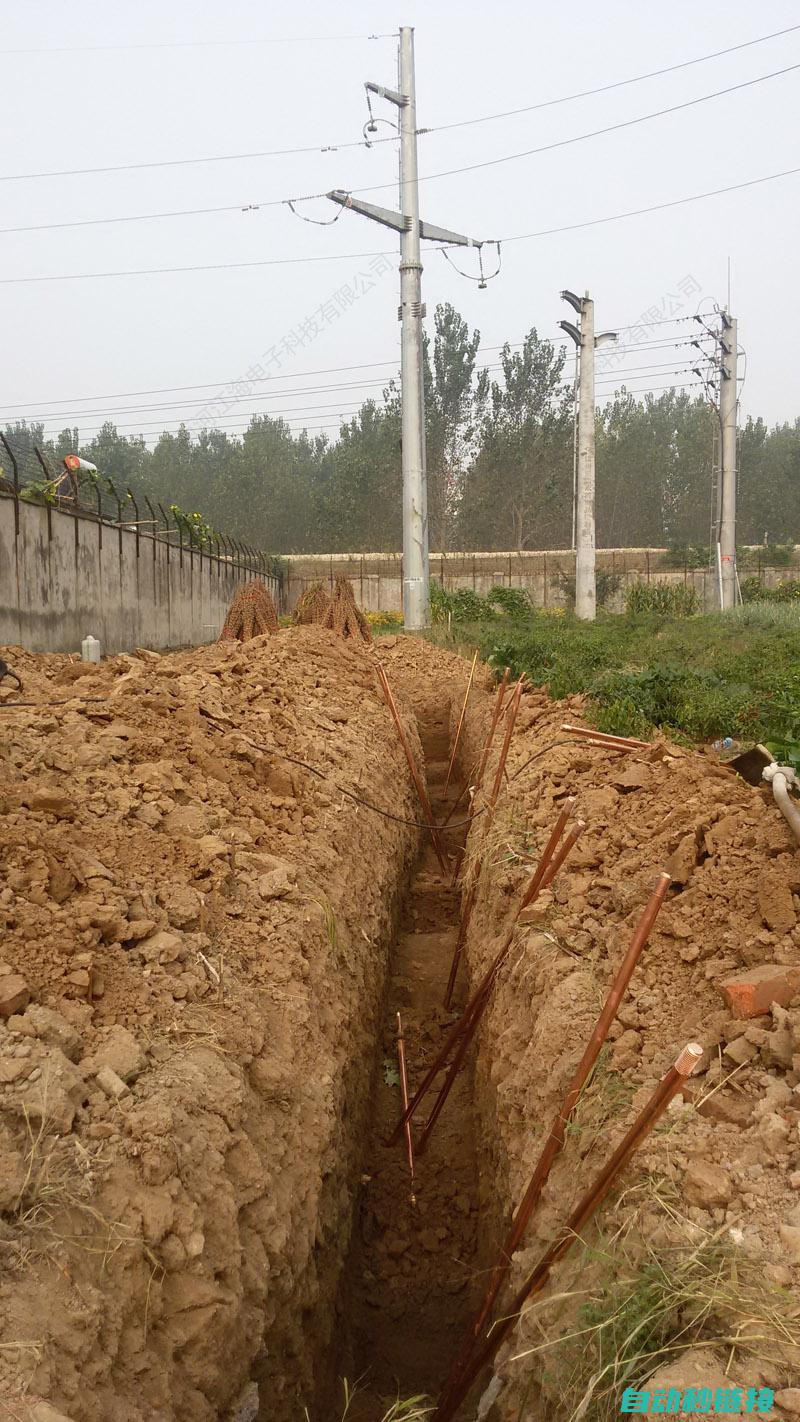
x=360, y=143
x=202, y=44
x=606, y=88
x=425, y=177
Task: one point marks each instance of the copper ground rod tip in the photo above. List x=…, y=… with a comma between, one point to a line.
x=688, y=1059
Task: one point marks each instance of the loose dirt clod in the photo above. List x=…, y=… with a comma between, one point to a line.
x=251, y=614
x=343, y=616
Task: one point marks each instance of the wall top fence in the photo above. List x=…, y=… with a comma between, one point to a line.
x=89, y=500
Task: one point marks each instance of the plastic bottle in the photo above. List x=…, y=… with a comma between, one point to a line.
x=724, y=744
x=90, y=649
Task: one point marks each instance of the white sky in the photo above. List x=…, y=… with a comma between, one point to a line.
x=70, y=340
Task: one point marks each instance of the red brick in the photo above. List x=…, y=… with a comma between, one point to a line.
x=751, y=993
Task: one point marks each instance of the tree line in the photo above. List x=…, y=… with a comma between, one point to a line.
x=500, y=464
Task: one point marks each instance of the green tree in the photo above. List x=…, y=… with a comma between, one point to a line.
x=517, y=490
x=449, y=418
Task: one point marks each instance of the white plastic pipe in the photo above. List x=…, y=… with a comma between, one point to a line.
x=780, y=777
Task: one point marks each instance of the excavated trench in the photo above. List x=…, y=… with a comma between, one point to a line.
x=409, y=1286
x=225, y=939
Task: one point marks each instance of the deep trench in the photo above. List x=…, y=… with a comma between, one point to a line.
x=409, y=1286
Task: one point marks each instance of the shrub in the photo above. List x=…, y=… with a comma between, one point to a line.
x=665, y=599
x=606, y=584
x=687, y=555
x=514, y=602
x=754, y=591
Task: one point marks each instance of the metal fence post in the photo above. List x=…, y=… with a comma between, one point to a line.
x=15, y=481
x=136, y=511
x=116, y=496
x=165, y=517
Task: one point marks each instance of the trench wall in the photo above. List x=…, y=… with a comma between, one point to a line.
x=732, y=859
x=230, y=1166
x=64, y=575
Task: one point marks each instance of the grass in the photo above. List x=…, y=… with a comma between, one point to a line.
x=699, y=677
x=645, y=1305
x=409, y=1409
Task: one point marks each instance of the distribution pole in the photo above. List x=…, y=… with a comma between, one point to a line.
x=584, y=516
x=575, y=451
x=585, y=581
x=728, y=401
x=416, y=577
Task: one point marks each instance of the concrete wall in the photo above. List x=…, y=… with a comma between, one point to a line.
x=377, y=577
x=63, y=576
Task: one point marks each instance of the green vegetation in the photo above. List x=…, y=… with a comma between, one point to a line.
x=699, y=677
x=607, y=585
x=499, y=462
x=788, y=590
x=644, y=1307
x=665, y=599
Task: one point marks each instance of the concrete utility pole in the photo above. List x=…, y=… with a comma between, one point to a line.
x=416, y=573
x=416, y=577
x=584, y=515
x=728, y=404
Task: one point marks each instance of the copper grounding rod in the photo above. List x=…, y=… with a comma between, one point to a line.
x=453, y=1395
x=440, y=1060
x=509, y=711
x=555, y=1140
x=486, y=748
x=487, y=745
x=457, y=740
x=484, y=755
x=466, y=913
x=480, y=1006
x=415, y=775
x=601, y=738
x=401, y=1062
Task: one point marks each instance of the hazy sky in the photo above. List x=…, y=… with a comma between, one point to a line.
x=72, y=341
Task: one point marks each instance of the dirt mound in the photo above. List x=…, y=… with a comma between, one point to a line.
x=343, y=616
x=251, y=614
x=312, y=606
x=718, y=1185
x=192, y=961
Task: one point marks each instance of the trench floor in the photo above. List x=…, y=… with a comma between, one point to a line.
x=412, y=1282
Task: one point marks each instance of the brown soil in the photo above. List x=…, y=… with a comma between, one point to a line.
x=727, y=1171
x=210, y=922
x=410, y=1286
x=192, y=1112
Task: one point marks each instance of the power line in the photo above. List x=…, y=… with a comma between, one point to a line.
x=202, y=44
x=277, y=395
x=74, y=400
x=606, y=88
x=224, y=423
x=597, y=132
x=362, y=143
x=518, y=237
x=189, y=162
x=655, y=207
x=202, y=267
x=429, y=177
x=170, y=427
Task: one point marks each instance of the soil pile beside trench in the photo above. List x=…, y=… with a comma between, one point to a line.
x=193, y=958
x=702, y=1238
